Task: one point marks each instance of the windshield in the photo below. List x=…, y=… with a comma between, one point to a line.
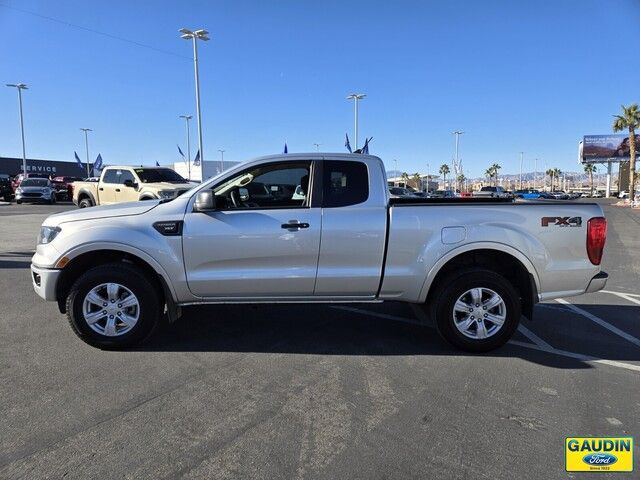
x=153, y=175
x=34, y=182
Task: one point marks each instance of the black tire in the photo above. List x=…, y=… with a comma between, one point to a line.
x=18, y=202
x=85, y=203
x=453, y=287
x=52, y=201
x=146, y=291
x=7, y=198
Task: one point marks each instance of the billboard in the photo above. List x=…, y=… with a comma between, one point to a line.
x=605, y=148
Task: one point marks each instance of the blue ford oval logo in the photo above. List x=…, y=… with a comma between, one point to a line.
x=599, y=459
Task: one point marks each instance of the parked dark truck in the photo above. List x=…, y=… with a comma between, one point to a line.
x=316, y=228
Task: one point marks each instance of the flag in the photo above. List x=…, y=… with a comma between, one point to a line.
x=182, y=154
x=78, y=160
x=365, y=148
x=196, y=161
x=97, y=165
x=157, y=164
x=346, y=143
x=286, y=150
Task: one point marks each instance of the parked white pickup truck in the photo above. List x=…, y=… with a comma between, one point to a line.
x=316, y=228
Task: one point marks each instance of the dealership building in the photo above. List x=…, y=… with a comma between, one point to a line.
x=13, y=166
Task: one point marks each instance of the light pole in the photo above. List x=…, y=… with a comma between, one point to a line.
x=535, y=174
x=195, y=36
x=20, y=87
x=187, y=118
x=395, y=161
x=317, y=146
x=456, y=162
x=355, y=97
x=221, y=159
x=86, y=145
x=521, y=154
x=428, y=177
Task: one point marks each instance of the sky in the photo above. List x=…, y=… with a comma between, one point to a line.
x=530, y=76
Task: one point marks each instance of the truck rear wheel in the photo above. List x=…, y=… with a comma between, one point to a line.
x=85, y=203
x=477, y=310
x=113, y=306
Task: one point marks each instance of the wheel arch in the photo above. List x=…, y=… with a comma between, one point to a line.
x=502, y=259
x=83, y=193
x=84, y=258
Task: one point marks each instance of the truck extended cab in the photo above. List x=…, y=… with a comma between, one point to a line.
x=316, y=228
x=127, y=184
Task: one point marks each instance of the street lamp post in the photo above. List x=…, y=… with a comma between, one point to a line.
x=221, y=159
x=187, y=118
x=86, y=146
x=521, y=154
x=355, y=97
x=395, y=161
x=195, y=36
x=20, y=87
x=428, y=177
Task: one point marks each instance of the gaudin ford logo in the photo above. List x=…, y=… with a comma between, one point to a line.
x=598, y=454
x=562, y=221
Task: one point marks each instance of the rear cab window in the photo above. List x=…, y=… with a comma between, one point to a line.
x=344, y=183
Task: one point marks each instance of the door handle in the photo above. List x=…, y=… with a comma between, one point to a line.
x=117, y=189
x=294, y=224
x=101, y=189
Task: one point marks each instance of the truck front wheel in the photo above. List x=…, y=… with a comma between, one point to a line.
x=477, y=310
x=113, y=306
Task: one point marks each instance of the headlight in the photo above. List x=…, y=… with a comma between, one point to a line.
x=47, y=234
x=18, y=190
x=167, y=193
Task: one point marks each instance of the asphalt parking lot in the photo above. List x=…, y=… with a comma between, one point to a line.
x=332, y=391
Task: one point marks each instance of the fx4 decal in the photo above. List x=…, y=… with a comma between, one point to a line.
x=562, y=221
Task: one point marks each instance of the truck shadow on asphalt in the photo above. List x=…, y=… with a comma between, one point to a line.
x=330, y=330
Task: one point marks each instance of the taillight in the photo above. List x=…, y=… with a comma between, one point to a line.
x=596, y=236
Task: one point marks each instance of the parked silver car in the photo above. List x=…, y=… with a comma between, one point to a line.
x=36, y=190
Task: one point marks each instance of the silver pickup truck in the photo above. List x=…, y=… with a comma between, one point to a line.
x=316, y=228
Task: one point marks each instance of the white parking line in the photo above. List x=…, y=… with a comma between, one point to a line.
x=627, y=296
x=578, y=356
x=542, y=348
x=637, y=295
x=533, y=337
x=600, y=322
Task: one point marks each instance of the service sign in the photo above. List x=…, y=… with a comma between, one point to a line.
x=598, y=454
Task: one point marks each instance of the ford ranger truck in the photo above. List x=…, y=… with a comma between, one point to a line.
x=316, y=228
x=128, y=184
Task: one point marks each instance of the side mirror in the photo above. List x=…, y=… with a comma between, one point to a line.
x=205, y=202
x=130, y=184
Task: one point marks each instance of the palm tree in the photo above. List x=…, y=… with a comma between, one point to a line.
x=495, y=167
x=630, y=119
x=590, y=168
x=444, y=171
x=556, y=173
x=461, y=178
x=417, y=180
x=489, y=174
x=405, y=179
x=550, y=173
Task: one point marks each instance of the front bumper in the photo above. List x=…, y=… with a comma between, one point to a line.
x=45, y=281
x=597, y=283
x=25, y=199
